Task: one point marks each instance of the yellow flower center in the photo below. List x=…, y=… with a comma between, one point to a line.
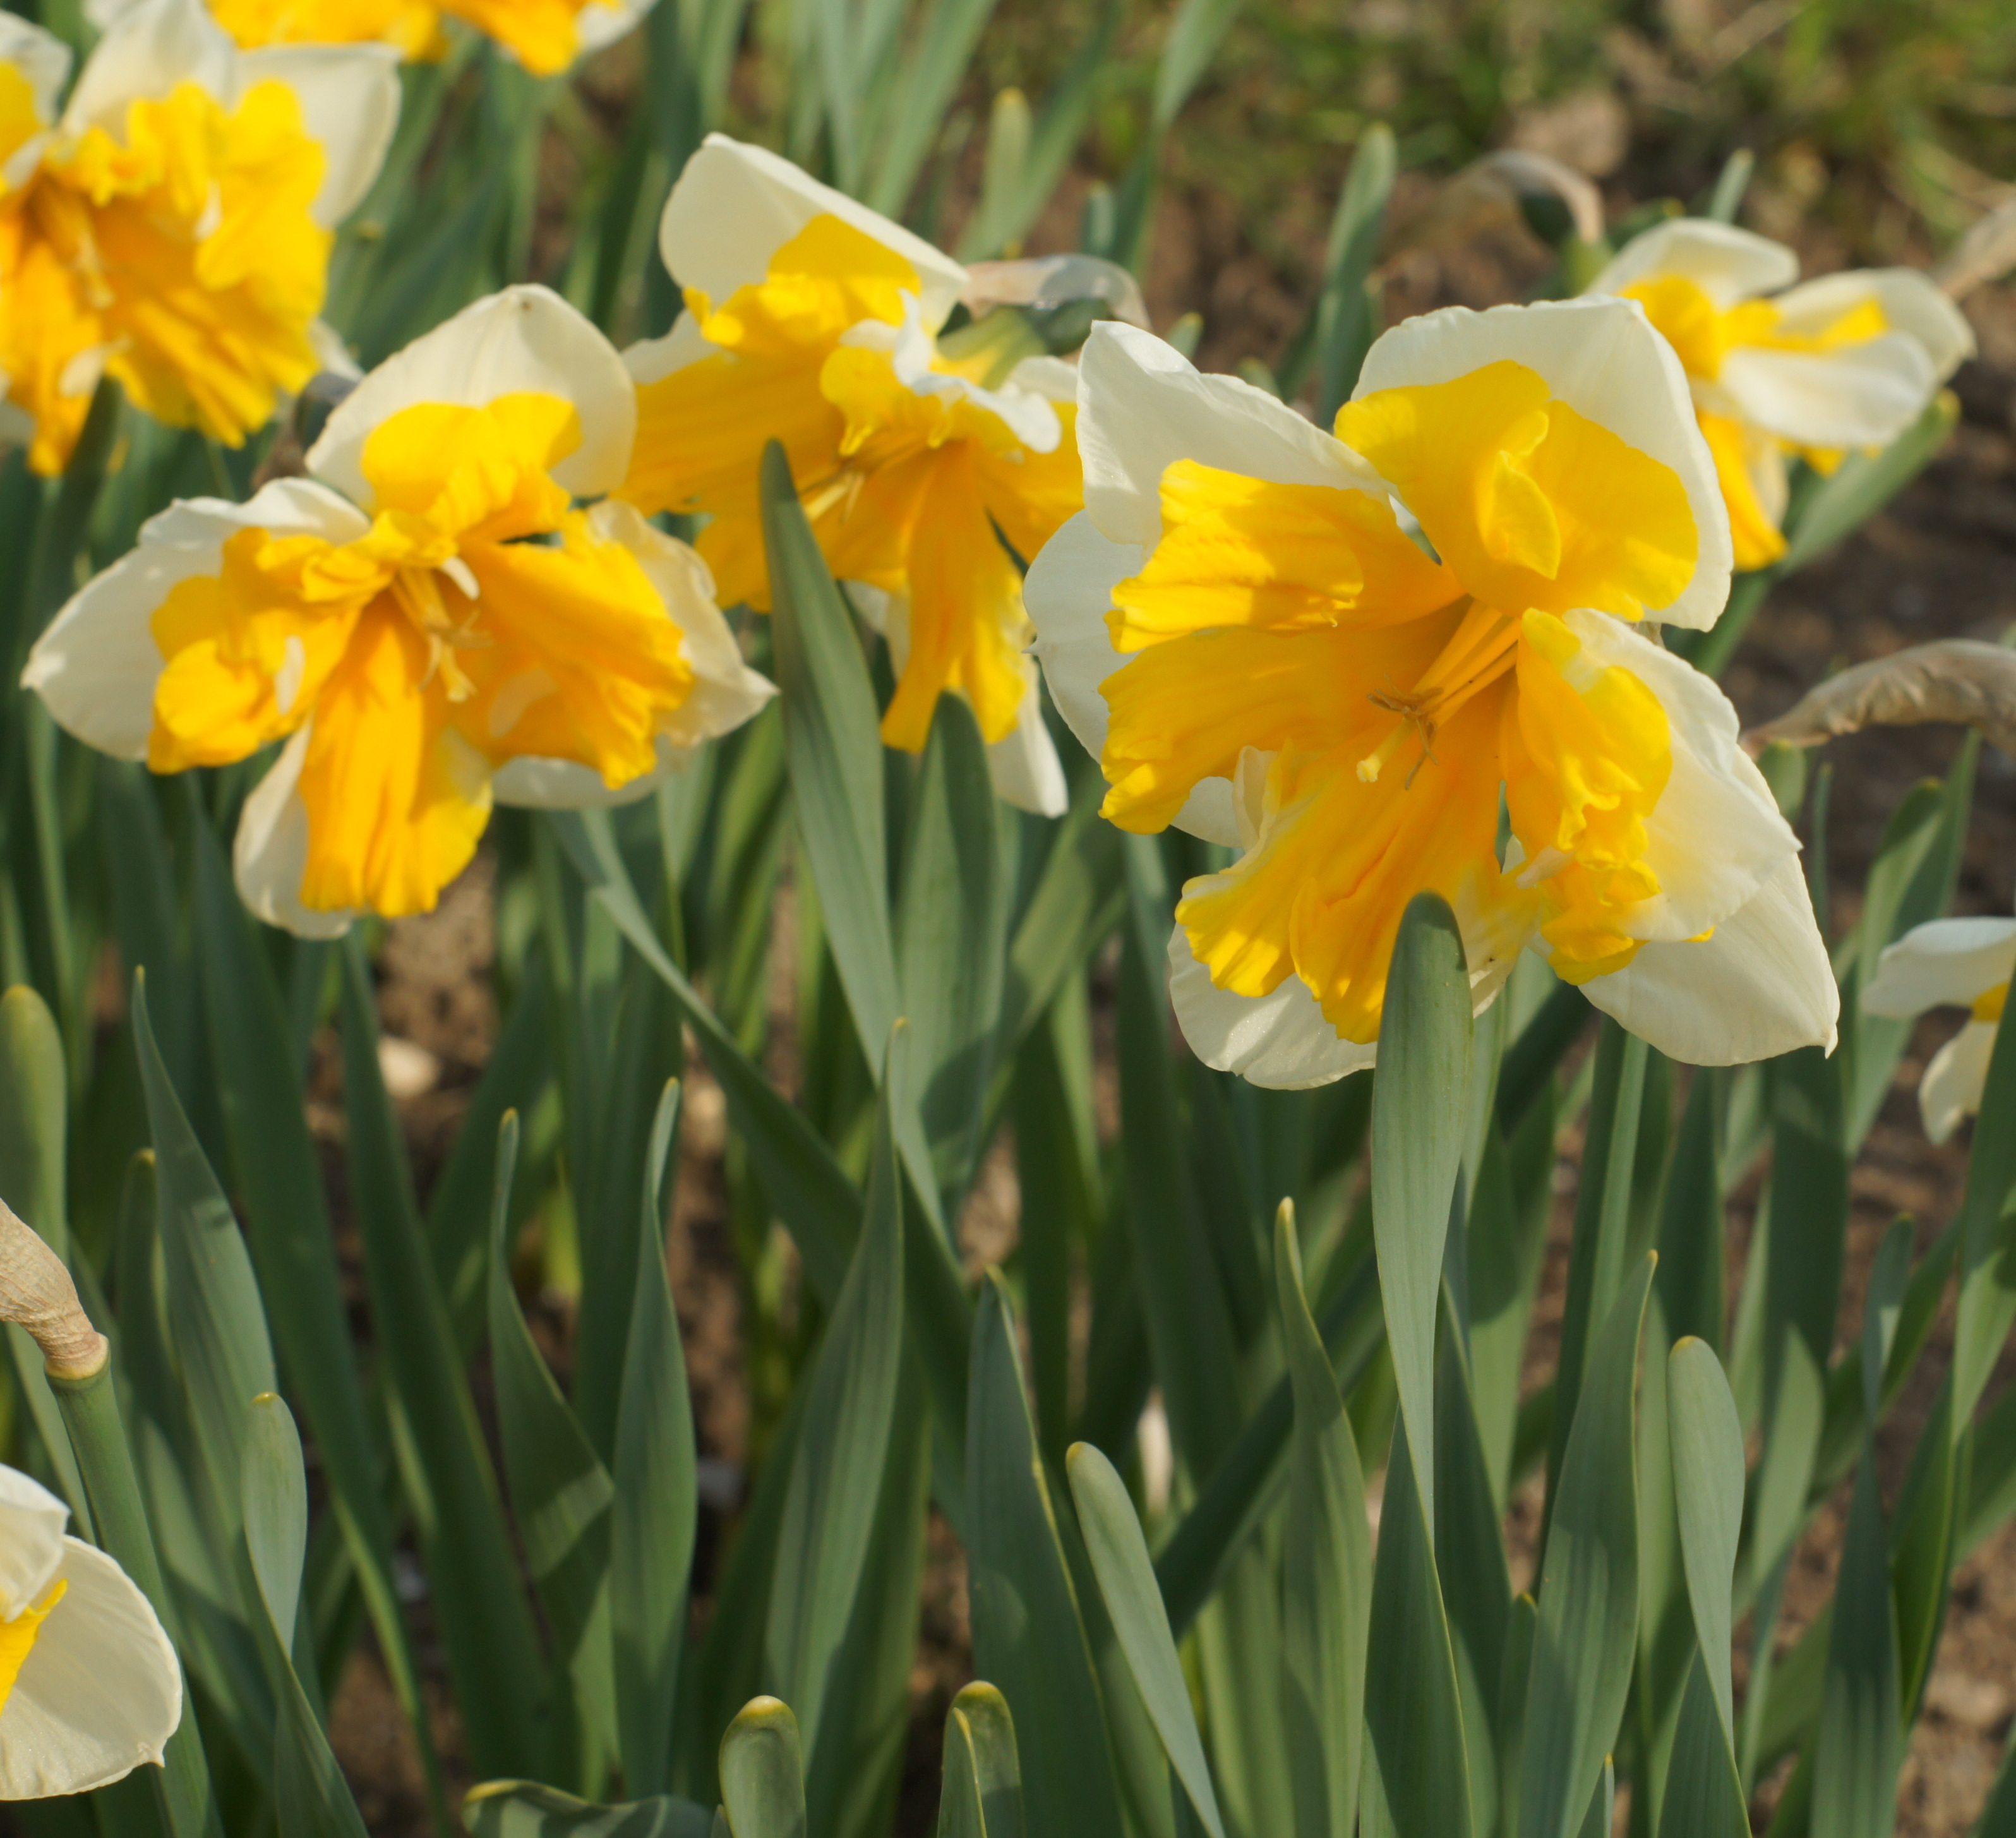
x=181, y=257
x=1703, y=334
x=412, y=25
x=1988, y=1008
x=1406, y=697
x=480, y=618
x=910, y=492
x=17, y=1637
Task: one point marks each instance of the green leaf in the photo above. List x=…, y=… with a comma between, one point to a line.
x=1863, y=483
x=1419, y=1111
x=1598, y=1257
x=1692, y=1267
x=1705, y=1437
x=1703, y=1797
x=834, y=751
x=952, y=922
x=1027, y=1634
x=1325, y=1570
x=1078, y=899
x=560, y=1493
x=486, y=1624
x=1119, y=1553
x=918, y=109
x=658, y=1505
x=1189, y=1328
x=286, y=1221
x=311, y=1798
x=982, y=1794
x=1588, y=1629
x=1345, y=323
x=1859, y=1746
x=34, y=1120
x=762, y=1773
x=524, y=1809
x=1507, y=1241
x=1416, y=1779
x=837, y=1466
x=1195, y=33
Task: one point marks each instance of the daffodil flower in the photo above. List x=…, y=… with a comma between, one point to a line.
x=429, y=621
x=90, y=1688
x=1845, y=362
x=1949, y=963
x=1419, y=656
x=171, y=226
x=545, y=36
x=922, y=462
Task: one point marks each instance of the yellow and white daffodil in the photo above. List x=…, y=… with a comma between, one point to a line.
x=1415, y=657
x=813, y=321
x=1846, y=361
x=170, y=226
x=430, y=621
x=545, y=36
x=1949, y=963
x=90, y=1688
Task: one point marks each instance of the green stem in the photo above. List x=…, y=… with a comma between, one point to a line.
x=1709, y=652
x=91, y=1413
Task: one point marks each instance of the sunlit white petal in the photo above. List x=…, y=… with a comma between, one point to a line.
x=1727, y=264
x=1951, y=1087
x=524, y=340
x=736, y=205
x=1858, y=395
x=1281, y=1040
x=1944, y=962
x=1761, y=986
x=40, y=57
x=1911, y=302
x=100, y=1692
x=269, y=855
x=149, y=53
x=1024, y=764
x=349, y=98
x=31, y=1540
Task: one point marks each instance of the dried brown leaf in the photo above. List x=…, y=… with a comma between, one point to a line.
x=1956, y=679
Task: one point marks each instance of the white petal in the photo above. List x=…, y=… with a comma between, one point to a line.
x=31, y=1540
x=1603, y=359
x=1142, y=406
x=651, y=360
x=1912, y=302
x=149, y=53
x=1068, y=593
x=40, y=56
x=736, y=205
x=1056, y=378
x=1726, y=263
x=97, y=664
x=1023, y=763
x=524, y=340
x=1952, y=1085
x=104, y=14
x=1943, y=963
x=603, y=22
x=349, y=96
x=1760, y=987
x=1715, y=835
x=1281, y=1041
x=1861, y=396
x=101, y=1691
x=270, y=854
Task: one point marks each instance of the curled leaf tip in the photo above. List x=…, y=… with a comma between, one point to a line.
x=36, y=1293
x=1955, y=680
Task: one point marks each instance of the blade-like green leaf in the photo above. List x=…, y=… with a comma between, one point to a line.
x=951, y=933
x=1325, y=1570
x=1692, y=1276
x=1028, y=1635
x=1119, y=1553
x=836, y=1469
x=524, y=1809
x=762, y=1773
x=1344, y=324
x=917, y=110
x=1588, y=1629
x=835, y=755
x=1416, y=1779
x=560, y=1493
x=1705, y=1436
x=1859, y=1746
x=982, y=1794
x=1863, y=483
x=311, y=1798
x=1703, y=1797
x=657, y=1494
x=1420, y=1114
x=487, y=1627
